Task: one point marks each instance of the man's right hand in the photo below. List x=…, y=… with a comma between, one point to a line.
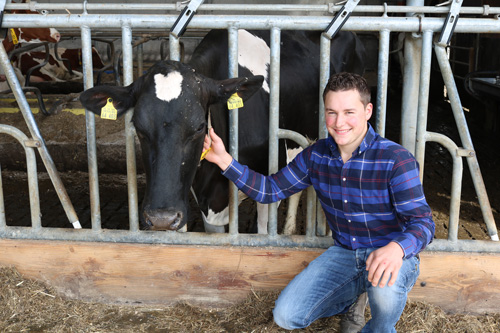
x=217, y=154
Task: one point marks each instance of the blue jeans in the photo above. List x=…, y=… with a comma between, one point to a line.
x=332, y=282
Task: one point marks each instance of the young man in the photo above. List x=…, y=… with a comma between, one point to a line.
x=370, y=190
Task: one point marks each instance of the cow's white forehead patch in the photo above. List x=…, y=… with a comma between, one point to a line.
x=254, y=54
x=168, y=87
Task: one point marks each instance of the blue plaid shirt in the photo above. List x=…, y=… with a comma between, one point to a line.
x=374, y=198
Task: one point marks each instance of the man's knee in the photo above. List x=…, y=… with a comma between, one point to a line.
x=287, y=318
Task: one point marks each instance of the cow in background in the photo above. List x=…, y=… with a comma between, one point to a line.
x=16, y=37
x=66, y=66
x=171, y=103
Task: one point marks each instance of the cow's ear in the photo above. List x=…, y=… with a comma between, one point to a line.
x=94, y=99
x=244, y=86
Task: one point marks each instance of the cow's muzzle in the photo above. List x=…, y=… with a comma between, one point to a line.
x=163, y=219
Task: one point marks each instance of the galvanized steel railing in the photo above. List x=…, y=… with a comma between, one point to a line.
x=316, y=231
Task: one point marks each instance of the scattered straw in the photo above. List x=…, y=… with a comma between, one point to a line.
x=30, y=306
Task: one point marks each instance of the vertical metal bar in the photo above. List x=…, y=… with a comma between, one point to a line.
x=382, y=79
x=35, y=133
x=324, y=75
x=140, y=59
x=88, y=82
x=274, y=108
x=174, y=48
x=128, y=78
x=423, y=100
x=463, y=130
x=233, y=130
x=411, y=75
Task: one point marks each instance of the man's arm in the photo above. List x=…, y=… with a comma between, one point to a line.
x=410, y=204
x=265, y=189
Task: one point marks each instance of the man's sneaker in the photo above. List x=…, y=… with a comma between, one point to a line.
x=353, y=320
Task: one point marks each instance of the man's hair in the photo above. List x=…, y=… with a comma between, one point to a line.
x=349, y=81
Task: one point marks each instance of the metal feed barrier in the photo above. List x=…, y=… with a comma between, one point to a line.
x=375, y=19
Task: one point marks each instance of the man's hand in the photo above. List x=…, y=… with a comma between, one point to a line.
x=217, y=153
x=384, y=263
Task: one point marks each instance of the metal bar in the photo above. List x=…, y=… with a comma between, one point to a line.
x=88, y=81
x=134, y=7
x=190, y=238
x=174, y=48
x=324, y=75
x=34, y=193
x=128, y=78
x=308, y=23
x=35, y=133
x=463, y=130
x=456, y=181
x=233, y=130
x=274, y=109
x=423, y=100
x=382, y=81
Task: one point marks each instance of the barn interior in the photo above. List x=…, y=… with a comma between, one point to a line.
x=62, y=122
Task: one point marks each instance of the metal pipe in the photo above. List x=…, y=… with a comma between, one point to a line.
x=174, y=48
x=233, y=130
x=456, y=181
x=308, y=23
x=88, y=82
x=134, y=7
x=274, y=109
x=463, y=130
x=324, y=75
x=128, y=78
x=34, y=193
x=423, y=100
x=382, y=81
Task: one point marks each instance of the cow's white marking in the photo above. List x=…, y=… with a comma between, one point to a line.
x=254, y=54
x=168, y=87
x=221, y=218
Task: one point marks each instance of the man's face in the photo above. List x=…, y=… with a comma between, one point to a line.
x=346, y=119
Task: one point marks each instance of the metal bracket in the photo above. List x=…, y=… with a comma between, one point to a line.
x=2, y=10
x=450, y=23
x=462, y=152
x=185, y=17
x=31, y=143
x=339, y=19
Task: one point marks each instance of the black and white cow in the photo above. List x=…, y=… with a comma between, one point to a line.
x=171, y=107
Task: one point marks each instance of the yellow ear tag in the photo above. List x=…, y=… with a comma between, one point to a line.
x=109, y=111
x=14, y=37
x=234, y=102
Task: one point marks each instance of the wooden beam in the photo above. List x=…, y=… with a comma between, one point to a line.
x=221, y=276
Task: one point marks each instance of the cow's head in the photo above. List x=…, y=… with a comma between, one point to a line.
x=170, y=117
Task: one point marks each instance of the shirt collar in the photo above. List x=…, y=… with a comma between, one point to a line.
x=365, y=144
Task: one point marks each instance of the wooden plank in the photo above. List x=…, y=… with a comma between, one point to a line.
x=220, y=276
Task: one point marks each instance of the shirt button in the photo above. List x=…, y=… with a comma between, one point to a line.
x=349, y=221
x=345, y=201
x=343, y=179
x=354, y=239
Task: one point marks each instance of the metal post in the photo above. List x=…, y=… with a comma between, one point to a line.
x=411, y=75
x=383, y=73
x=128, y=78
x=88, y=82
x=233, y=130
x=274, y=108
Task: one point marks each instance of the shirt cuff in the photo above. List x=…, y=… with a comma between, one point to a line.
x=234, y=171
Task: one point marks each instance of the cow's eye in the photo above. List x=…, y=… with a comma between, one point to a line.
x=200, y=128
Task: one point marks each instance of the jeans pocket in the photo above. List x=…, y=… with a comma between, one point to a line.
x=412, y=271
